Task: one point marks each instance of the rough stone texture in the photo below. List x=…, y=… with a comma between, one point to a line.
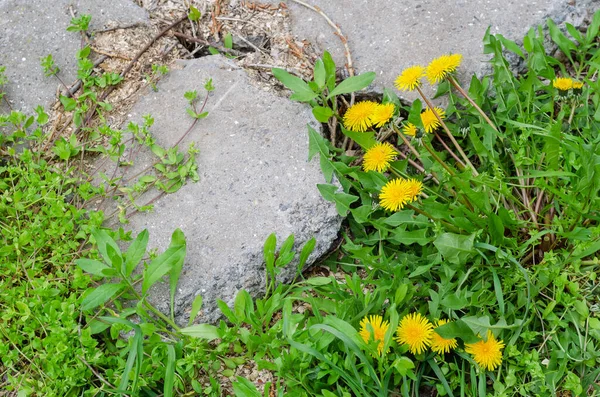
x=254, y=180
x=386, y=37
x=30, y=30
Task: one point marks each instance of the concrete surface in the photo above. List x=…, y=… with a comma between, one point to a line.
x=386, y=36
x=254, y=180
x=30, y=30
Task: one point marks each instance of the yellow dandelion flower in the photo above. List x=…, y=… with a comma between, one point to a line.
x=410, y=78
x=441, y=345
x=415, y=331
x=577, y=85
x=378, y=157
x=358, y=117
x=409, y=129
x=562, y=83
x=399, y=192
x=442, y=66
x=382, y=114
x=413, y=188
x=430, y=122
x=374, y=328
x=487, y=354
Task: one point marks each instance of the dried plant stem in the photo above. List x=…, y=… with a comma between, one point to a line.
x=456, y=145
x=338, y=33
x=453, y=81
x=460, y=163
x=406, y=142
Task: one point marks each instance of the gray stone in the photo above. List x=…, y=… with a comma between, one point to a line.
x=386, y=37
x=254, y=180
x=30, y=30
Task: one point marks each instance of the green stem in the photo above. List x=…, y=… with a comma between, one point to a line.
x=155, y=311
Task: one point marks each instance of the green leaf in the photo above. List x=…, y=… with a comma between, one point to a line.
x=457, y=329
x=352, y=84
x=202, y=331
x=169, y=372
x=243, y=305
x=408, y=237
x=454, y=302
x=565, y=45
x=319, y=74
x=42, y=116
x=68, y=103
x=307, y=249
x=99, y=296
x=329, y=70
x=136, y=252
x=269, y=251
x=342, y=200
x=244, y=388
x=162, y=265
x=455, y=248
x=227, y=312
x=316, y=143
x=228, y=41
x=177, y=240
x=194, y=14
x=91, y=266
x=196, y=306
x=366, y=140
x=403, y=365
x=322, y=114
x=301, y=90
x=317, y=281
x=592, y=30
x=103, y=240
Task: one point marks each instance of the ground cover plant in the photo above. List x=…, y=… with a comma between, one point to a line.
x=468, y=264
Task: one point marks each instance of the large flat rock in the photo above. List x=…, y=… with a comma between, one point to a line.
x=254, y=180
x=30, y=30
x=385, y=37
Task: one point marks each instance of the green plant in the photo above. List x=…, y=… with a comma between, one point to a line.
x=500, y=230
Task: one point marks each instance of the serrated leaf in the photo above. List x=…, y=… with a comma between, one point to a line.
x=455, y=248
x=366, y=140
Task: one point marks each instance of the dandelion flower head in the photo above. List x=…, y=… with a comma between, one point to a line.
x=562, y=83
x=430, y=122
x=442, y=66
x=487, y=354
x=410, y=78
x=413, y=188
x=382, y=114
x=358, y=117
x=441, y=345
x=378, y=157
x=409, y=129
x=415, y=331
x=577, y=85
x=379, y=328
x=399, y=192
